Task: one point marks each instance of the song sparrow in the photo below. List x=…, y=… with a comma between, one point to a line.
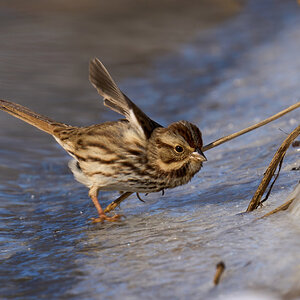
x=135, y=154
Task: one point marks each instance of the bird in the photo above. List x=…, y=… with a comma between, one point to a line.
x=133, y=155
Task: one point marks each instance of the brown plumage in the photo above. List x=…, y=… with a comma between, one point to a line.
x=135, y=154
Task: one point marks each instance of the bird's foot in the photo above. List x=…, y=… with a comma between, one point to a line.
x=104, y=217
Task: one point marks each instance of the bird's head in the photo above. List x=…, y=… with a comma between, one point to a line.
x=177, y=146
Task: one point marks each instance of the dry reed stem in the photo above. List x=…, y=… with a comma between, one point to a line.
x=284, y=206
x=279, y=155
x=241, y=132
x=220, y=268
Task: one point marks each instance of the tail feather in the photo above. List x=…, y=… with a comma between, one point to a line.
x=41, y=122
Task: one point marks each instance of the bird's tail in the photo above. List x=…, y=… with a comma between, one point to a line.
x=41, y=122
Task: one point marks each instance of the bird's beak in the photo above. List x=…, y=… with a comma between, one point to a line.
x=199, y=155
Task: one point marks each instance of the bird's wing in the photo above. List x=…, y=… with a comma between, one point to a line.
x=116, y=100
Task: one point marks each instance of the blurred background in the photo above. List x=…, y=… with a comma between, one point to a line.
x=221, y=64
x=46, y=45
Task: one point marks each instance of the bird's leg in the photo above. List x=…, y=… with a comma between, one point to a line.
x=93, y=193
x=139, y=197
x=117, y=202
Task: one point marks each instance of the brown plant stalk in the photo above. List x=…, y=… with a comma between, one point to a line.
x=250, y=128
x=278, y=157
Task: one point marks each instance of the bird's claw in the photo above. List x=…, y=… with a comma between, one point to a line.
x=104, y=217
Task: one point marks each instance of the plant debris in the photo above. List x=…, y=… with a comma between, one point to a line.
x=250, y=128
x=277, y=160
x=220, y=268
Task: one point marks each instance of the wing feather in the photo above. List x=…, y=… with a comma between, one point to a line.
x=116, y=100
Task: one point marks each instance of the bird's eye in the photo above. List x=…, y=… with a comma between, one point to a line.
x=178, y=149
